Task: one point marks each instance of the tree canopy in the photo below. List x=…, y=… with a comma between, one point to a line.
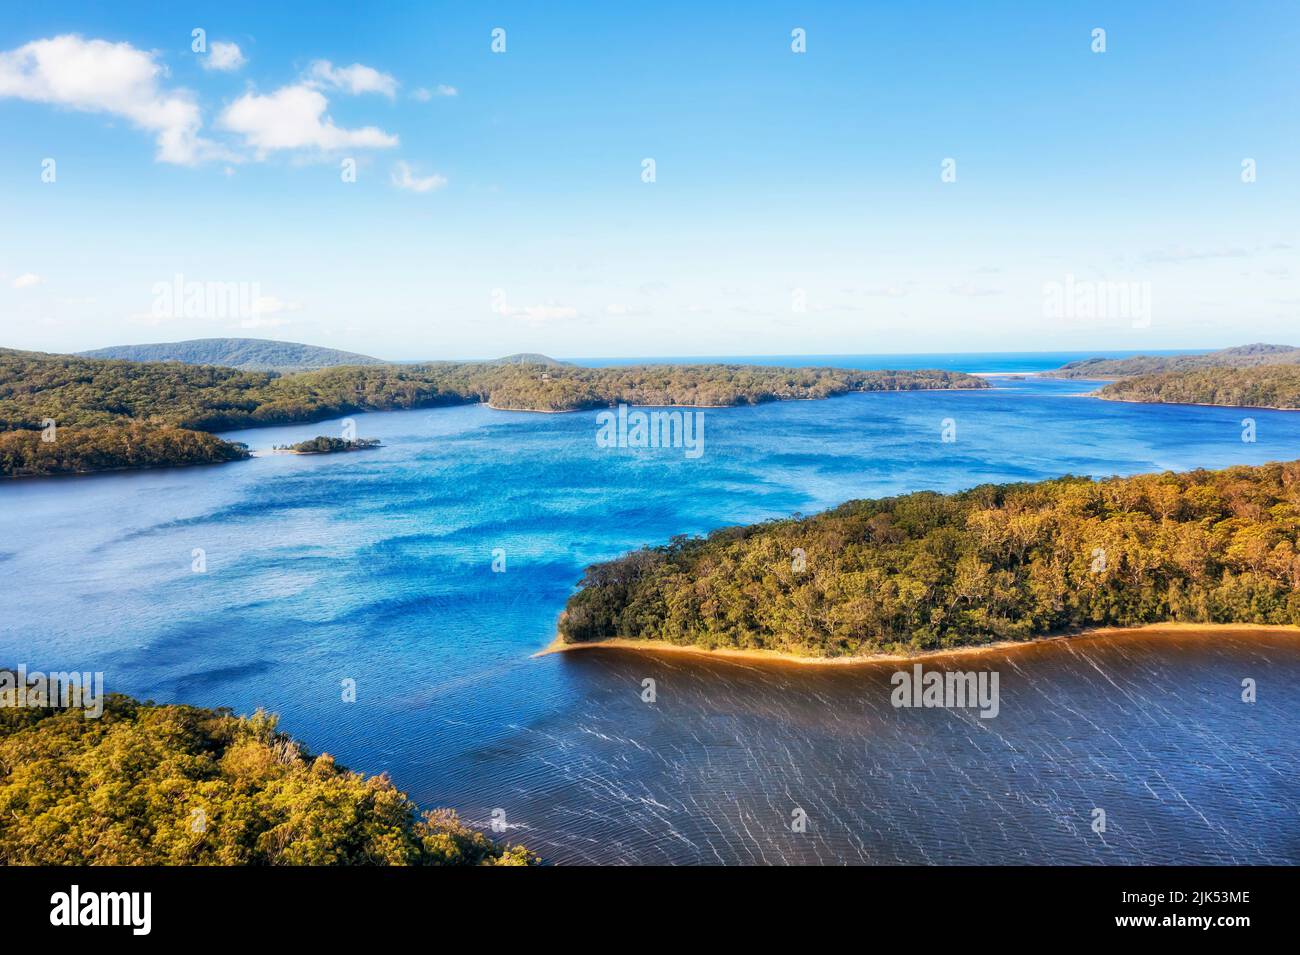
x=178, y=785
x=1266, y=386
x=85, y=393
x=930, y=571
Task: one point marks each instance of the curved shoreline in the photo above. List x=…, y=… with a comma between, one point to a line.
x=1187, y=404
x=779, y=656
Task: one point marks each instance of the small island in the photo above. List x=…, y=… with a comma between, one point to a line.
x=323, y=445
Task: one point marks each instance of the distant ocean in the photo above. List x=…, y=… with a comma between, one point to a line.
x=970, y=362
x=378, y=567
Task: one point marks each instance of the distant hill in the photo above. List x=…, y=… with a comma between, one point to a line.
x=1242, y=356
x=528, y=358
x=247, y=354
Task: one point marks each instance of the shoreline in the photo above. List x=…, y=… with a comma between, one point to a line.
x=744, y=404
x=1185, y=404
x=781, y=656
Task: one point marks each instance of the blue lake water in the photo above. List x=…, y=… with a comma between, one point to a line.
x=377, y=567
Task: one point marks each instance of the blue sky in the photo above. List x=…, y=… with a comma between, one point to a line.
x=797, y=206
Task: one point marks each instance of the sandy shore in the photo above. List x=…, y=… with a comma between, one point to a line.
x=1187, y=404
x=775, y=656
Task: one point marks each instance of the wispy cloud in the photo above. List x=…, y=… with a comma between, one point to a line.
x=354, y=79
x=424, y=94
x=268, y=312
x=970, y=290
x=404, y=178
x=1183, y=253
x=224, y=57
x=535, y=314
x=27, y=280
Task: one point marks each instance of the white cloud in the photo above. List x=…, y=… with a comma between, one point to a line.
x=536, y=314
x=293, y=117
x=970, y=290
x=259, y=321
x=223, y=56
x=404, y=178
x=354, y=79
x=101, y=77
x=266, y=313
x=270, y=305
x=27, y=280
x=442, y=89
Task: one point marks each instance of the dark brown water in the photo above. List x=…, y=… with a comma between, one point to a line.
x=1149, y=727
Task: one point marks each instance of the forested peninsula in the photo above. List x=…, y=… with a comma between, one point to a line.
x=1265, y=386
x=64, y=413
x=178, y=785
x=930, y=571
x=1240, y=356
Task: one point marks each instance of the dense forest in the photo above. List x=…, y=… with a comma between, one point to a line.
x=1267, y=386
x=1242, y=356
x=246, y=354
x=177, y=785
x=112, y=447
x=78, y=393
x=930, y=571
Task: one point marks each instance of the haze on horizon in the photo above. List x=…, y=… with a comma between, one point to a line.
x=929, y=179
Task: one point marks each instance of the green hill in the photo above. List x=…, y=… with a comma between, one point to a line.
x=246, y=354
x=529, y=358
x=1241, y=356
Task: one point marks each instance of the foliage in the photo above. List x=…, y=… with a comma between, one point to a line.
x=178, y=785
x=111, y=448
x=1242, y=356
x=928, y=571
x=84, y=393
x=323, y=445
x=1268, y=386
